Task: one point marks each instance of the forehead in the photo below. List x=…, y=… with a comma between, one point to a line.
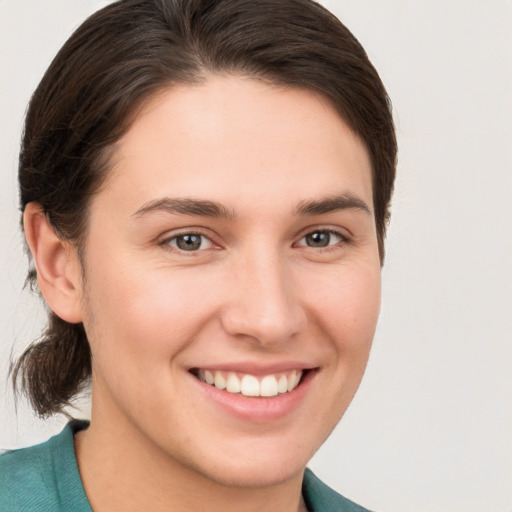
x=233, y=133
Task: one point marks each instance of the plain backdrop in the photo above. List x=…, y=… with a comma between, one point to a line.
x=431, y=427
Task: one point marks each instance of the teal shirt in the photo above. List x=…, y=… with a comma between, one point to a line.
x=46, y=478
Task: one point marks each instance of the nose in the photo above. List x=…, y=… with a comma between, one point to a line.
x=262, y=301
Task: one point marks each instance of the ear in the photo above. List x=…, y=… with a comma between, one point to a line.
x=59, y=273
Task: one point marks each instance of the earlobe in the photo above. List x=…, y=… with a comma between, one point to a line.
x=57, y=263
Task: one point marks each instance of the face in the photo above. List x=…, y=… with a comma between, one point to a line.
x=232, y=279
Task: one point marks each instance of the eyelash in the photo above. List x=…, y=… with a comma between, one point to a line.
x=172, y=242
x=342, y=239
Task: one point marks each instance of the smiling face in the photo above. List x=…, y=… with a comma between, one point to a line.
x=234, y=244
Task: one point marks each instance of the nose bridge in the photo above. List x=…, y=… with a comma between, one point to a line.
x=263, y=303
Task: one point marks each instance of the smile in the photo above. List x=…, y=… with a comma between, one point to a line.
x=249, y=385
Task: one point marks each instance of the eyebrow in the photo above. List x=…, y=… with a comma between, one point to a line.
x=330, y=204
x=205, y=208
x=185, y=206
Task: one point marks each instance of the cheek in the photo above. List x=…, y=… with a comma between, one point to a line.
x=346, y=304
x=346, y=311
x=149, y=312
x=140, y=324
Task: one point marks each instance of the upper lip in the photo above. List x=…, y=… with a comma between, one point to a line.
x=255, y=369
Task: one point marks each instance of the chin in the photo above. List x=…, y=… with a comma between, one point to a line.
x=260, y=463
x=256, y=474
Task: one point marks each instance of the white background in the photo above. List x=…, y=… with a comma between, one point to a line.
x=431, y=427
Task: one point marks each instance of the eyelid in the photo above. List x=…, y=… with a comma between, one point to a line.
x=165, y=240
x=168, y=237
x=341, y=234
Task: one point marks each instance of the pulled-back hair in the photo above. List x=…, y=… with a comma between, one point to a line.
x=126, y=53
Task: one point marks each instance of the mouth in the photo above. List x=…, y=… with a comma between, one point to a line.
x=250, y=385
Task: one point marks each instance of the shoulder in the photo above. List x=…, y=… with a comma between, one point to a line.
x=27, y=479
x=43, y=477
x=321, y=498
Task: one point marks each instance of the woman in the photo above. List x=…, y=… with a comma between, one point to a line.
x=205, y=190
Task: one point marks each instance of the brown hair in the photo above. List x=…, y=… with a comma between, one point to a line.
x=127, y=52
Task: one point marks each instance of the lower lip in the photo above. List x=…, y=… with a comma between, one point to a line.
x=258, y=409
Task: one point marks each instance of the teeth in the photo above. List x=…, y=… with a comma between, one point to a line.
x=220, y=381
x=282, y=385
x=233, y=383
x=293, y=380
x=249, y=385
x=208, y=377
x=268, y=386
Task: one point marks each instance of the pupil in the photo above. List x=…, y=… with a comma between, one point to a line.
x=318, y=239
x=189, y=242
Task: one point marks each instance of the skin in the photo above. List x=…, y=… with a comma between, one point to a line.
x=255, y=294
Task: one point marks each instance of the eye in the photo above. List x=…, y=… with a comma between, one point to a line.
x=320, y=239
x=190, y=242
